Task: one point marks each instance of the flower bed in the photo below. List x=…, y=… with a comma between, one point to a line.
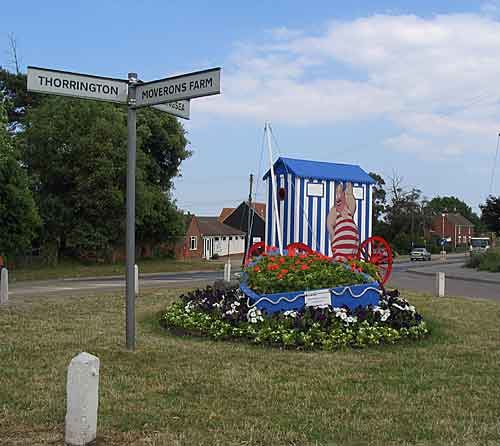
x=281, y=283
x=226, y=314
x=275, y=273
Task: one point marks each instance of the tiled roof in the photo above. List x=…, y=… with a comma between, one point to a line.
x=226, y=212
x=458, y=219
x=260, y=209
x=212, y=226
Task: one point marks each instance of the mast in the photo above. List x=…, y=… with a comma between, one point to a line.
x=273, y=187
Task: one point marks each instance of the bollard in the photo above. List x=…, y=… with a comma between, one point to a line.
x=136, y=272
x=440, y=282
x=4, y=286
x=82, y=390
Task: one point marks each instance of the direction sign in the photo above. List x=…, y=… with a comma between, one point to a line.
x=177, y=108
x=185, y=86
x=65, y=83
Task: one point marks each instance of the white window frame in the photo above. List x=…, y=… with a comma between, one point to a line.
x=193, y=247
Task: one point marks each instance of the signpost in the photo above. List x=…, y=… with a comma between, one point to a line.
x=185, y=86
x=170, y=95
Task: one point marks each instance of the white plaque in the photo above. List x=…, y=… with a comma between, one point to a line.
x=185, y=86
x=65, y=83
x=358, y=193
x=315, y=189
x=318, y=298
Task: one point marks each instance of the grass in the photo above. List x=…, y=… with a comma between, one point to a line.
x=187, y=391
x=74, y=268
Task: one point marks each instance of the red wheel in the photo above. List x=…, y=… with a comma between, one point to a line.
x=298, y=248
x=376, y=250
x=255, y=250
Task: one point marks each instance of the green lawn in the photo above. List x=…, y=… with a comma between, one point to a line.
x=187, y=391
x=74, y=268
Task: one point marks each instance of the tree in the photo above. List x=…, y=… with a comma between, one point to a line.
x=379, y=196
x=18, y=216
x=490, y=214
x=76, y=152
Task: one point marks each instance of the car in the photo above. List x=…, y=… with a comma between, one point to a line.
x=420, y=254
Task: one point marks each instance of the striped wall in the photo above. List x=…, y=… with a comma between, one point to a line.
x=303, y=218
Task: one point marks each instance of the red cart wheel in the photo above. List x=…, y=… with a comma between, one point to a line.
x=257, y=249
x=298, y=248
x=376, y=250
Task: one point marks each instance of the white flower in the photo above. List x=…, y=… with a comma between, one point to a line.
x=290, y=313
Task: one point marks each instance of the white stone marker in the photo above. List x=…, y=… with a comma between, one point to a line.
x=4, y=286
x=136, y=272
x=82, y=390
x=440, y=281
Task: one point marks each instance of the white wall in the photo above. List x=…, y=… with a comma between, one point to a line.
x=220, y=246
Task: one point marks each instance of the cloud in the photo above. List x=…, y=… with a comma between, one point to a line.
x=435, y=79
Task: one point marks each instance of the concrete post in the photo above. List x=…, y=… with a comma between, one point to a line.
x=4, y=286
x=136, y=273
x=440, y=284
x=82, y=390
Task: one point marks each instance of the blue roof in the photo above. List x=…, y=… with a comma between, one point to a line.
x=321, y=170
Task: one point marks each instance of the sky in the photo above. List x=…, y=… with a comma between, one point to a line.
x=401, y=88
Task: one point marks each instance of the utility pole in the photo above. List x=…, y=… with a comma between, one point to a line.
x=250, y=214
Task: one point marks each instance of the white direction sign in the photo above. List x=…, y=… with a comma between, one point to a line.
x=185, y=86
x=178, y=108
x=65, y=83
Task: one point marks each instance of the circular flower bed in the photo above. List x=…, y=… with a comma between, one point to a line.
x=226, y=314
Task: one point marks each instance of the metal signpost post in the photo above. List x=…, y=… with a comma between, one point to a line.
x=170, y=95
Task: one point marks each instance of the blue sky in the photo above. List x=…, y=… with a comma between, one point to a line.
x=398, y=87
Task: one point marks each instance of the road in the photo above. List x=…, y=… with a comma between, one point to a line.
x=401, y=278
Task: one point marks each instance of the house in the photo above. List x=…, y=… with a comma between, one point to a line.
x=454, y=227
x=207, y=236
x=238, y=219
x=306, y=191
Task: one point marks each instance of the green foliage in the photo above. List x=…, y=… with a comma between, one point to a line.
x=274, y=274
x=490, y=214
x=18, y=216
x=489, y=261
x=226, y=315
x=76, y=153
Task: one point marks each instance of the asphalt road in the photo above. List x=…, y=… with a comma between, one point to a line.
x=401, y=278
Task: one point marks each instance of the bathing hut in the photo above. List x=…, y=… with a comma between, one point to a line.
x=305, y=194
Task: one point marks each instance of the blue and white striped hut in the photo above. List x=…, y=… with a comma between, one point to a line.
x=306, y=191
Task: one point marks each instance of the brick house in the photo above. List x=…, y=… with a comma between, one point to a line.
x=207, y=236
x=453, y=226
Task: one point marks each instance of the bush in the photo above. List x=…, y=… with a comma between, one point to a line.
x=489, y=261
x=226, y=314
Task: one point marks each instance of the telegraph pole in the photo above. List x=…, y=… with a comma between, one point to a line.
x=250, y=215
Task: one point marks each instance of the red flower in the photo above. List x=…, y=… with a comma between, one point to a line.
x=257, y=269
x=281, y=260
x=284, y=272
x=279, y=276
x=310, y=261
x=272, y=259
x=297, y=262
x=353, y=267
x=304, y=267
x=264, y=254
x=302, y=256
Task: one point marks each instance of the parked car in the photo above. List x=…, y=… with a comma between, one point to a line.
x=420, y=254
